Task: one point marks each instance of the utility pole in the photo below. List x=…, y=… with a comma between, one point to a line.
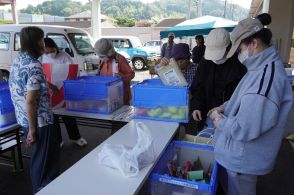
x=189, y=10
x=225, y=10
x=199, y=8
x=198, y=5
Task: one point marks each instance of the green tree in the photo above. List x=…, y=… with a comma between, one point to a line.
x=6, y=22
x=125, y=22
x=55, y=7
x=137, y=10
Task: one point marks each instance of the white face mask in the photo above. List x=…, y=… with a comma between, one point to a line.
x=51, y=55
x=243, y=55
x=221, y=61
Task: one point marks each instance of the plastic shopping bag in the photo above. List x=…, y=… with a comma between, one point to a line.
x=205, y=137
x=56, y=74
x=171, y=74
x=129, y=161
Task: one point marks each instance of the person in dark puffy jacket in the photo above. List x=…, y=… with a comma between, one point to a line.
x=216, y=77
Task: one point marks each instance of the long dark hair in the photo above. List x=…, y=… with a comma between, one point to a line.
x=265, y=34
x=30, y=38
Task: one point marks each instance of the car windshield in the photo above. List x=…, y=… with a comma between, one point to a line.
x=82, y=42
x=136, y=42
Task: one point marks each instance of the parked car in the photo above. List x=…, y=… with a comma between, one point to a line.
x=155, y=45
x=76, y=42
x=132, y=45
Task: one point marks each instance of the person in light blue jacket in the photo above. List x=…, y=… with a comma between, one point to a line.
x=250, y=126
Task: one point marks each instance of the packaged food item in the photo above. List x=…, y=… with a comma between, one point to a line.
x=171, y=74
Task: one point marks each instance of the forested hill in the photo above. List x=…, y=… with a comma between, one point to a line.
x=137, y=10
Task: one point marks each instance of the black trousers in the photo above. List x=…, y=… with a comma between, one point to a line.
x=71, y=128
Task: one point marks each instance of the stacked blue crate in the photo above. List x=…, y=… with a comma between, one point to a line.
x=7, y=115
x=97, y=94
x=155, y=101
x=161, y=182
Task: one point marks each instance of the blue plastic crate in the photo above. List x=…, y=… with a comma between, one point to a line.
x=160, y=182
x=7, y=115
x=94, y=87
x=155, y=101
x=97, y=94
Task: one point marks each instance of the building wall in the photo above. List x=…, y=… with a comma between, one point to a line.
x=282, y=25
x=27, y=18
x=144, y=33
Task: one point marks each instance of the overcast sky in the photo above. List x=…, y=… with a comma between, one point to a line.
x=23, y=4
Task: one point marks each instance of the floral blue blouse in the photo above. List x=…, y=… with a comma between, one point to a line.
x=27, y=74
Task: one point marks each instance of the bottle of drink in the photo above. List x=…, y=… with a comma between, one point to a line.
x=114, y=67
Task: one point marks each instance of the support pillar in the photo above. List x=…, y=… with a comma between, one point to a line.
x=96, y=20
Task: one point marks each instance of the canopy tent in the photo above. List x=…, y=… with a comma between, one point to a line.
x=202, y=25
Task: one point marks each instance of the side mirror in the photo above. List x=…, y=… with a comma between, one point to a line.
x=69, y=51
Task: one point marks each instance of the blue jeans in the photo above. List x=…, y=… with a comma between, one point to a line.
x=45, y=159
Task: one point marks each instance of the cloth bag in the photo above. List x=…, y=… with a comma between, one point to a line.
x=129, y=161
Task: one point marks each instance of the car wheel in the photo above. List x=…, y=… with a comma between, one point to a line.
x=138, y=64
x=4, y=74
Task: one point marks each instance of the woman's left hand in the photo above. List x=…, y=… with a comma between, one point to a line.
x=31, y=138
x=216, y=117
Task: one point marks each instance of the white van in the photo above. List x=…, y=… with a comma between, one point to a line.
x=76, y=42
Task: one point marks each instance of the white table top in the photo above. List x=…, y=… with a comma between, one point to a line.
x=89, y=177
x=8, y=128
x=124, y=114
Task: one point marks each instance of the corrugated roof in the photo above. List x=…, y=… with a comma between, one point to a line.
x=169, y=22
x=87, y=14
x=5, y=2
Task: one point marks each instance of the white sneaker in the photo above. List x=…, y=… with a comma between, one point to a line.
x=81, y=142
x=61, y=144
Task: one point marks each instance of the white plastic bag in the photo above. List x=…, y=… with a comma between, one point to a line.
x=171, y=74
x=129, y=161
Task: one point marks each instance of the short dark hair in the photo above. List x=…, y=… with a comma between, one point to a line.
x=200, y=38
x=49, y=43
x=29, y=40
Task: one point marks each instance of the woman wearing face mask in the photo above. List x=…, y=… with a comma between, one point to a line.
x=249, y=127
x=114, y=64
x=53, y=55
x=216, y=77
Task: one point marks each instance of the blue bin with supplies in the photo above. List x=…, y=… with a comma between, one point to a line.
x=97, y=94
x=162, y=182
x=7, y=114
x=155, y=101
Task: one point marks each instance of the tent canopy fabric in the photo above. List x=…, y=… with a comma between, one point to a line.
x=202, y=25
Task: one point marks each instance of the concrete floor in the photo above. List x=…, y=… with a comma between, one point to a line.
x=278, y=182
